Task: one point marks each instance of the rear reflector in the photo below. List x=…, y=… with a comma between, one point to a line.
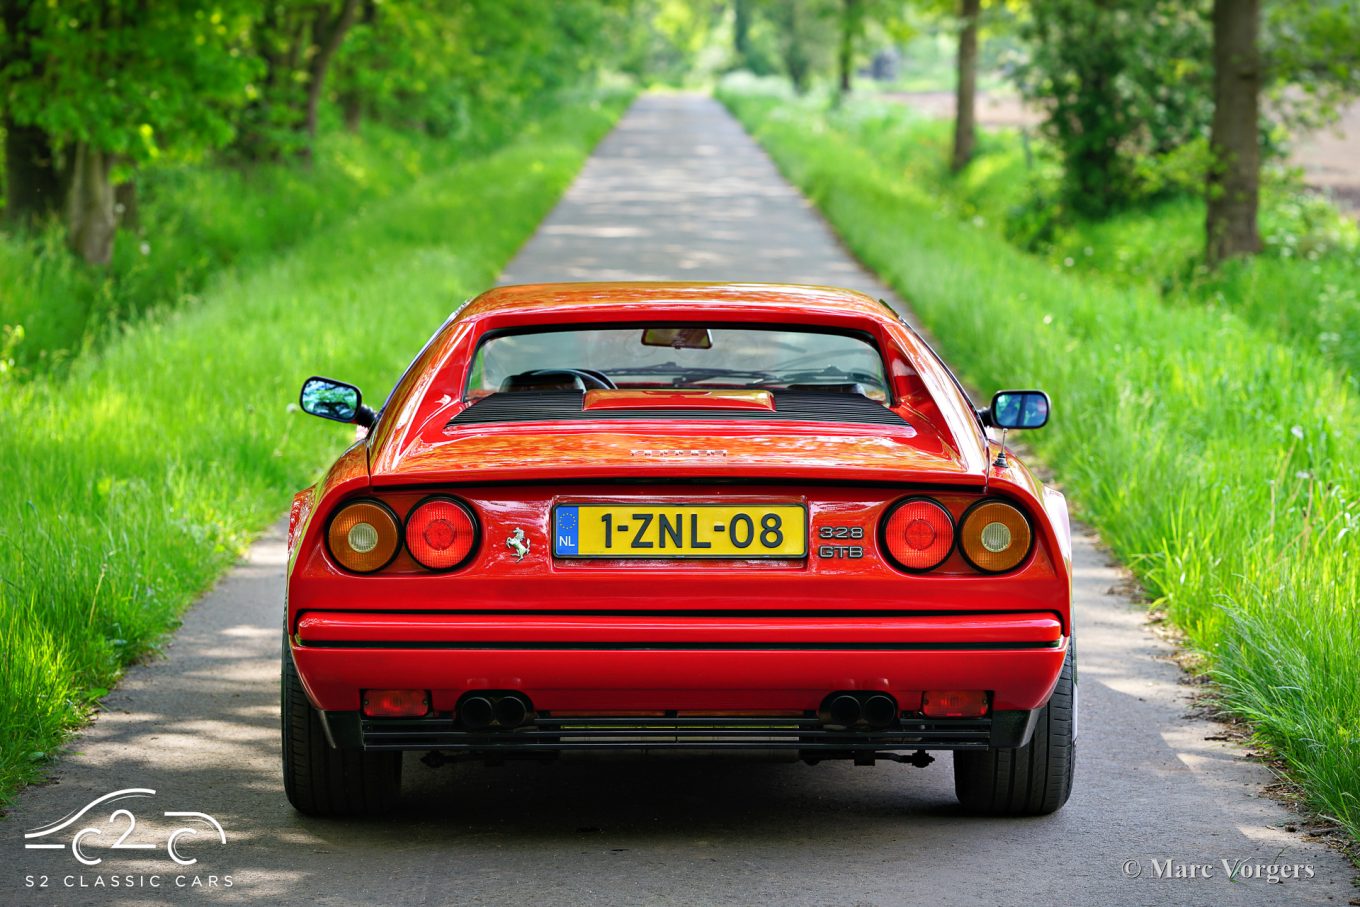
x=396, y=703
x=954, y=703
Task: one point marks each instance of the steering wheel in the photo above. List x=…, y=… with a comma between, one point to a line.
x=591, y=378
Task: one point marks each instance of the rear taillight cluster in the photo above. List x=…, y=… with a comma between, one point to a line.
x=440, y=533
x=364, y=536
x=919, y=534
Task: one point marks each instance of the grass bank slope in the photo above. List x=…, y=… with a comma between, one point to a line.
x=1305, y=286
x=1214, y=454
x=194, y=220
x=130, y=484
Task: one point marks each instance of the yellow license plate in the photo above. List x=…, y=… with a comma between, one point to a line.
x=680, y=530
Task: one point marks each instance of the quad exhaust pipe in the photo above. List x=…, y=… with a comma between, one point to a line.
x=879, y=711
x=844, y=710
x=478, y=711
x=511, y=711
x=854, y=709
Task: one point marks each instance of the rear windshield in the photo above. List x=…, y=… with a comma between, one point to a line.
x=671, y=356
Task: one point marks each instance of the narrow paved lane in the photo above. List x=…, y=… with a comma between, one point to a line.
x=677, y=191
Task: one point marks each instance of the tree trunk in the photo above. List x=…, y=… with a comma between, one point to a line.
x=965, y=112
x=327, y=35
x=32, y=172
x=796, y=59
x=846, y=58
x=126, y=206
x=352, y=100
x=1234, y=140
x=741, y=32
x=32, y=179
x=352, y=107
x=90, y=219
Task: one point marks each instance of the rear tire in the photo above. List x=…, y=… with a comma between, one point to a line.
x=1032, y=780
x=320, y=780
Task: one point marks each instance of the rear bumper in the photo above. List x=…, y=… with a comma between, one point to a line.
x=677, y=663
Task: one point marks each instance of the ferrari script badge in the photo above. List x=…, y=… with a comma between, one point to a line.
x=518, y=544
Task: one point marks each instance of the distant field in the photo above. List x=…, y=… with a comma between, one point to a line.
x=1329, y=158
x=1203, y=426
x=137, y=475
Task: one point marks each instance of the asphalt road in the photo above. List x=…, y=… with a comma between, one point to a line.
x=677, y=191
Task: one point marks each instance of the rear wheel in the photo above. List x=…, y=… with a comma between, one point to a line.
x=1032, y=780
x=320, y=780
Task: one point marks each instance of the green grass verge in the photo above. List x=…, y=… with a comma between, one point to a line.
x=195, y=220
x=132, y=483
x=1305, y=287
x=1215, y=457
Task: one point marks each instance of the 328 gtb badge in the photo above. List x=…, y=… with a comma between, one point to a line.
x=838, y=533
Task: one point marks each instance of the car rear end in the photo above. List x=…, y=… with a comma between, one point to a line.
x=571, y=539
x=829, y=632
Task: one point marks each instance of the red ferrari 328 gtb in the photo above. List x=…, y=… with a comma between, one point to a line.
x=678, y=517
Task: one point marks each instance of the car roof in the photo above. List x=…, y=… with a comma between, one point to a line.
x=425, y=391
x=566, y=301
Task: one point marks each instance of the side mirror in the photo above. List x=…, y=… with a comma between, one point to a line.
x=1019, y=409
x=335, y=400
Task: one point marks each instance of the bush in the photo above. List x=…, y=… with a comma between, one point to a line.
x=1119, y=84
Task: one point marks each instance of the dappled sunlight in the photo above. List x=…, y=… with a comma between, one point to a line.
x=678, y=191
x=672, y=213
x=253, y=632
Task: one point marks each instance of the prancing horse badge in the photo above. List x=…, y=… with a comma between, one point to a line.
x=518, y=544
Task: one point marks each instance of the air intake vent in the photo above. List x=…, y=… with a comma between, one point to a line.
x=789, y=406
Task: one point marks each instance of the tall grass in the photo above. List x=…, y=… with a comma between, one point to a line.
x=195, y=220
x=1214, y=455
x=130, y=484
x=1305, y=287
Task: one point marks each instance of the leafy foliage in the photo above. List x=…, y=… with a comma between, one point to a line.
x=138, y=80
x=294, y=42
x=1312, y=50
x=157, y=87
x=1119, y=82
x=453, y=71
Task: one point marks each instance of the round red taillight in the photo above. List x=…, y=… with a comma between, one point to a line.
x=918, y=534
x=441, y=533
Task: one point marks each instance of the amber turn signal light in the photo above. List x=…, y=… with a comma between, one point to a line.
x=994, y=536
x=954, y=703
x=396, y=703
x=364, y=536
